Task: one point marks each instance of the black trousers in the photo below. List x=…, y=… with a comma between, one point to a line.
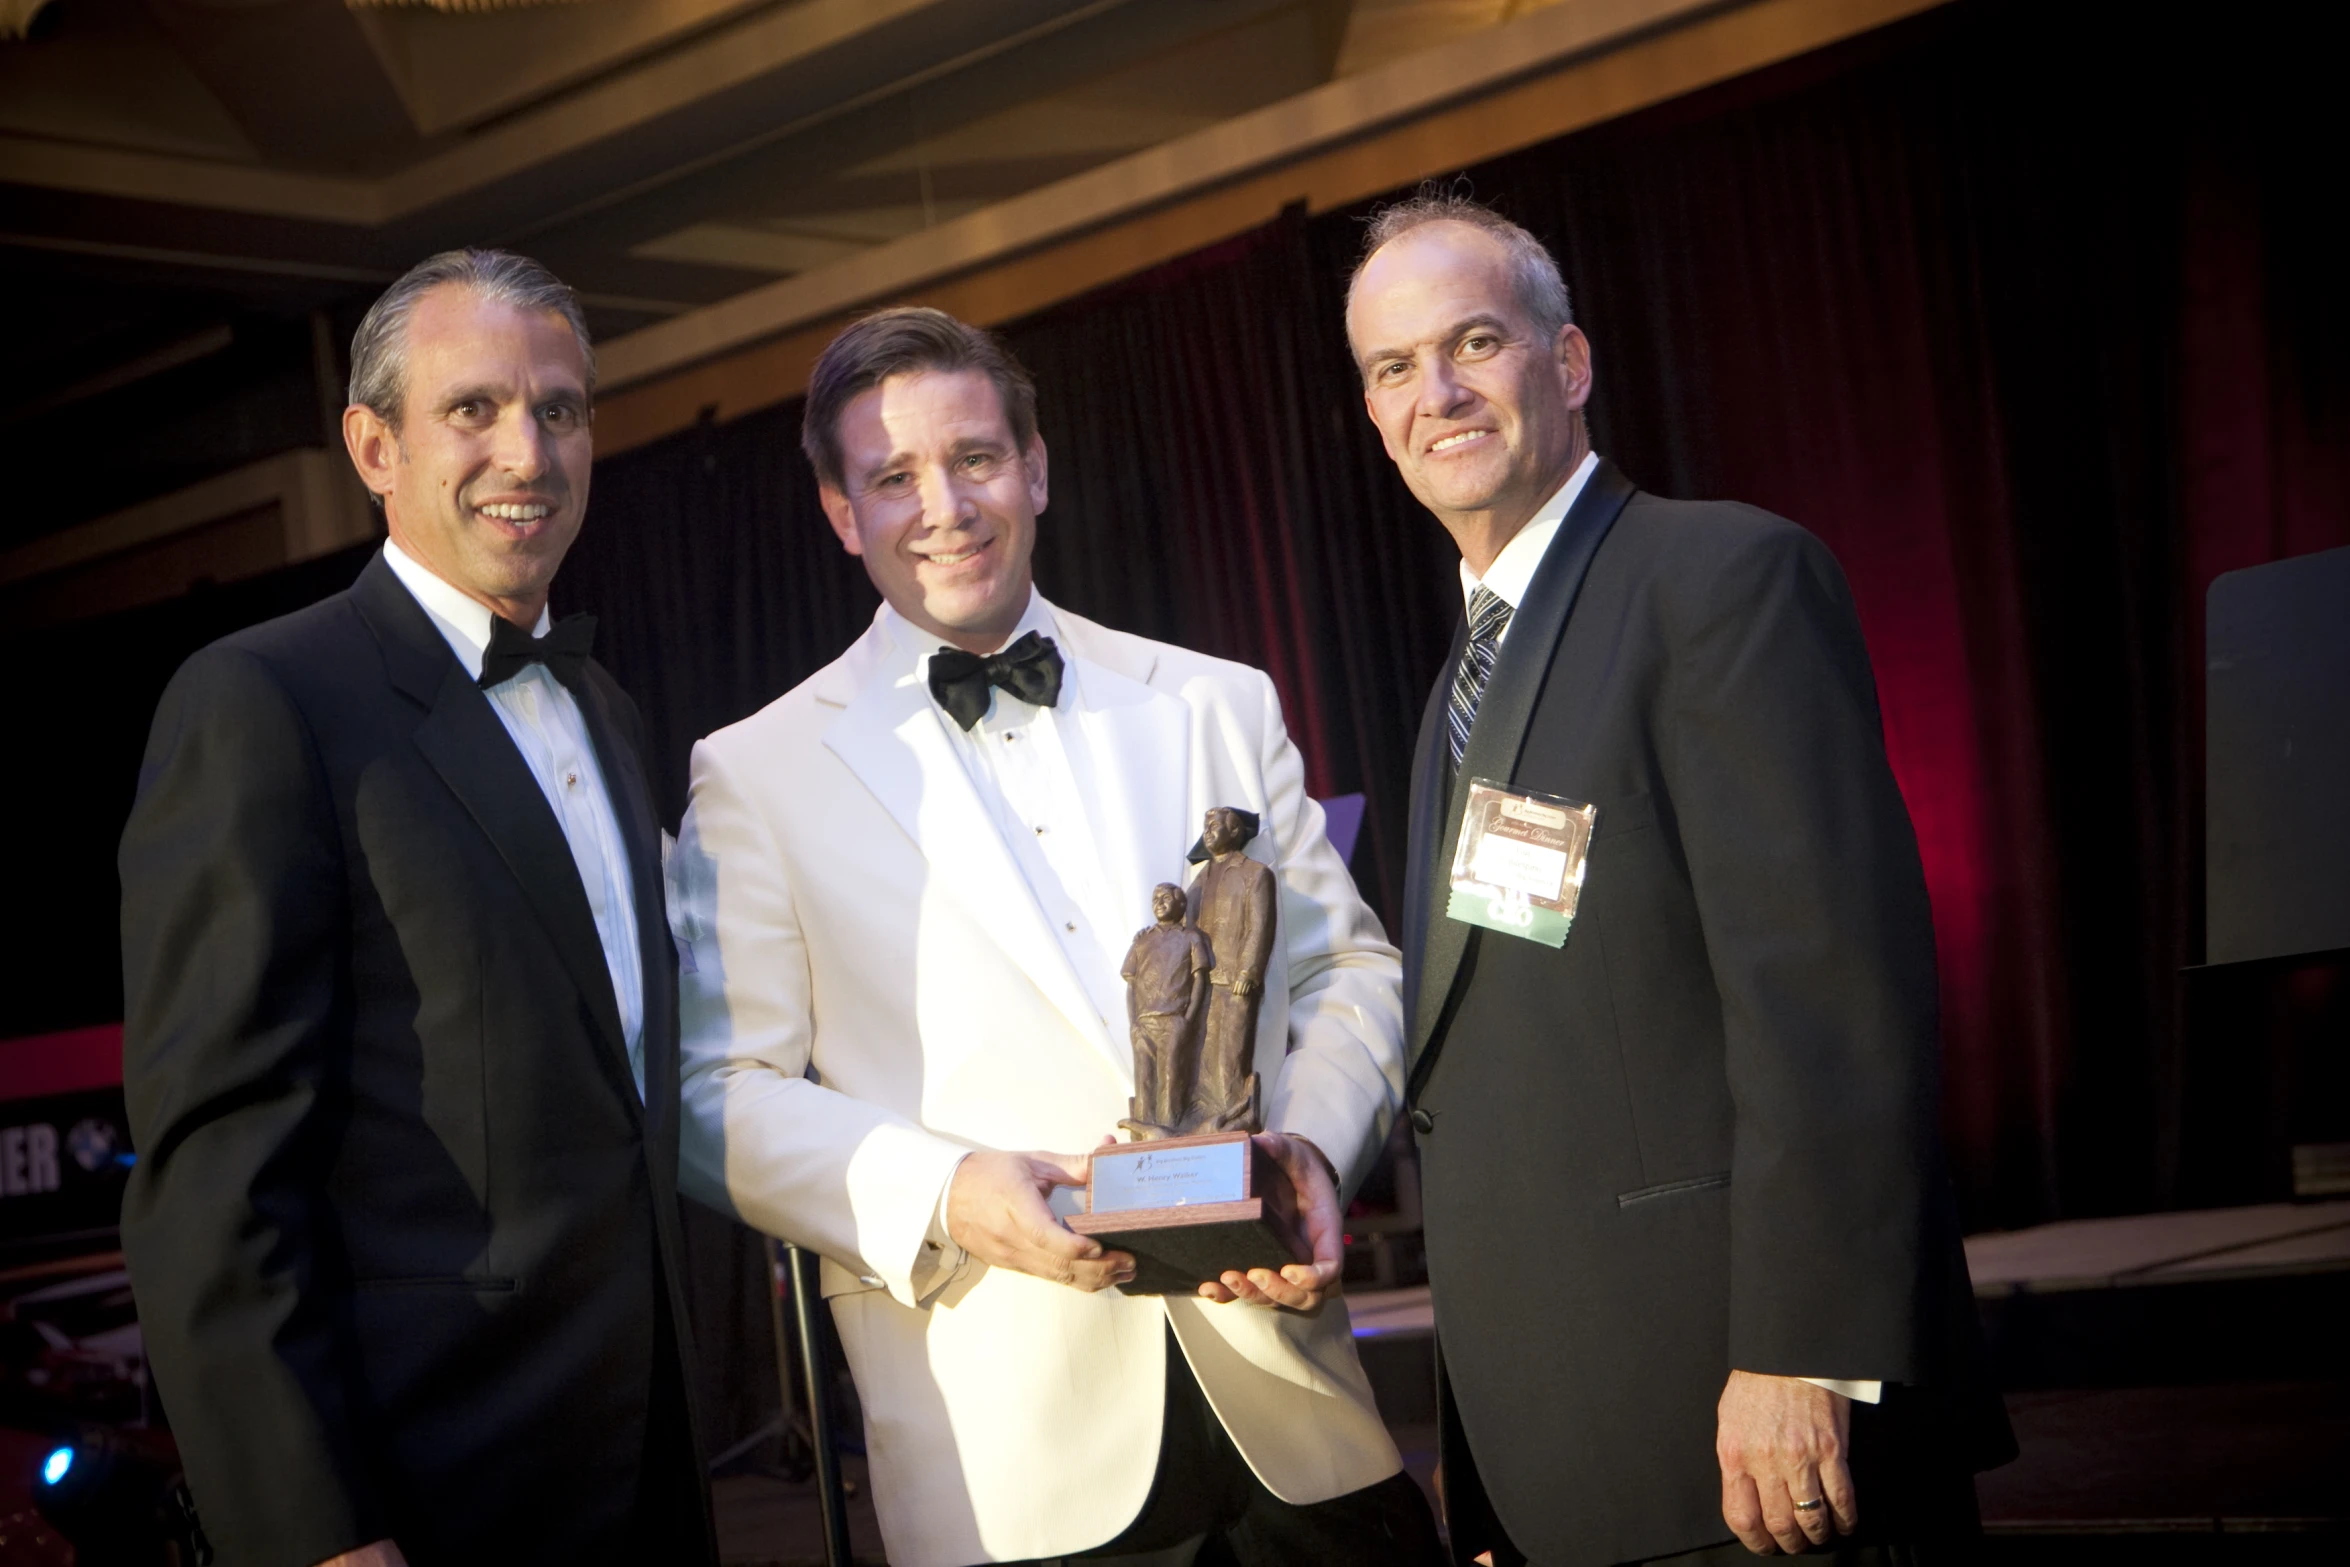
x=1948, y=1553
x=1207, y=1506
x=1954, y=1548
x=671, y=1522
x=1917, y=1509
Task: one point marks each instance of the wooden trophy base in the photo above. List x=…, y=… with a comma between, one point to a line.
x=1191, y=1209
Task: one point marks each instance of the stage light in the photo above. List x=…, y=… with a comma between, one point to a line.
x=117, y=1497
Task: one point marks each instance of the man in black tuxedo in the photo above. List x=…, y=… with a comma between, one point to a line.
x=1695, y=1267
x=400, y=1047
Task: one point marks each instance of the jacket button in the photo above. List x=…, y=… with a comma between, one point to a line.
x=1423, y=1122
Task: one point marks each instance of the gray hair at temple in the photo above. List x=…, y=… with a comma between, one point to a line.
x=1535, y=272
x=905, y=341
x=379, y=349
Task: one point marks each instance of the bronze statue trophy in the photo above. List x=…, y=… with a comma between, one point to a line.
x=1193, y=1196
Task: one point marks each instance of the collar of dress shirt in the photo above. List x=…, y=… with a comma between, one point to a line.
x=1513, y=569
x=911, y=649
x=463, y=623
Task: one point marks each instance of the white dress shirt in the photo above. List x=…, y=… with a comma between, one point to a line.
x=1020, y=760
x=1513, y=569
x=552, y=735
x=1508, y=578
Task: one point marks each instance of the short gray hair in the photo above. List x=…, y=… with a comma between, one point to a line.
x=379, y=349
x=1541, y=291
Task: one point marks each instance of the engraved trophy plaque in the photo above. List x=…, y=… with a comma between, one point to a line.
x=1192, y=1196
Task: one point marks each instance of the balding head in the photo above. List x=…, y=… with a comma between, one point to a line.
x=1534, y=272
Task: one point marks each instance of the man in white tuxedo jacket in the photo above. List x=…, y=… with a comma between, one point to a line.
x=902, y=892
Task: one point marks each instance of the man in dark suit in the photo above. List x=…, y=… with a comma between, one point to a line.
x=401, y=1039
x=1696, y=1272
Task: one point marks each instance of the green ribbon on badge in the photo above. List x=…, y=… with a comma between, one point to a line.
x=1511, y=914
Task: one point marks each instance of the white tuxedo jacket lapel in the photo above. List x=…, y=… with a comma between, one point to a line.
x=1133, y=773
x=889, y=735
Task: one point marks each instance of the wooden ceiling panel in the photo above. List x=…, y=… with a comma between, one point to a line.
x=298, y=77
x=1381, y=31
x=455, y=71
x=102, y=71
x=802, y=181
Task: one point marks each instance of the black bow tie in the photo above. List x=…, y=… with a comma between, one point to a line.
x=1029, y=669
x=564, y=650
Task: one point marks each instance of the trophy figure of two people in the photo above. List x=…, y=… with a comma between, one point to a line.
x=1193, y=1195
x=1194, y=981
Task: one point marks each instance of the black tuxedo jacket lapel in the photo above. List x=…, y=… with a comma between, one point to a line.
x=1431, y=797
x=1494, y=743
x=640, y=831
x=475, y=756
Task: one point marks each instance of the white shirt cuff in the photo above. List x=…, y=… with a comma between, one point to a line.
x=1858, y=1392
x=941, y=1258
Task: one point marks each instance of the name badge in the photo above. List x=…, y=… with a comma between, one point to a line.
x=1519, y=869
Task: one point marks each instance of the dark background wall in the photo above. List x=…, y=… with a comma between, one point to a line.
x=2033, y=317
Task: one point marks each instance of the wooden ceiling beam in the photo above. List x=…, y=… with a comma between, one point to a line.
x=1543, y=76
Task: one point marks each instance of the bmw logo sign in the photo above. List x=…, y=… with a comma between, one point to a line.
x=92, y=1143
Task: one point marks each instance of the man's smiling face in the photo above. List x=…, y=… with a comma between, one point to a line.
x=1481, y=414
x=940, y=503
x=485, y=477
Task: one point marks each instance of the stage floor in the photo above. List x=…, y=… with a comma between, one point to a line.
x=2179, y=1382
x=2212, y=1245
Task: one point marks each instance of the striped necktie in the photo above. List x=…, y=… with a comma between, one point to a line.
x=1489, y=616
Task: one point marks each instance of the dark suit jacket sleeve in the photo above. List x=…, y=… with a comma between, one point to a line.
x=236, y=1012
x=1821, y=943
